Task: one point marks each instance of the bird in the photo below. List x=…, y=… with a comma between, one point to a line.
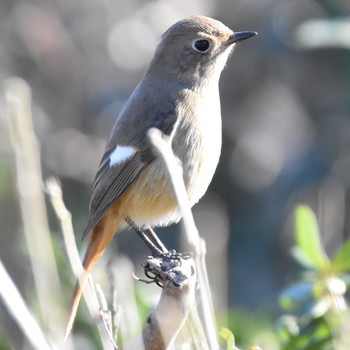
x=178, y=95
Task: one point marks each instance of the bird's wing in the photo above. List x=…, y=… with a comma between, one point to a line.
x=121, y=165
x=112, y=181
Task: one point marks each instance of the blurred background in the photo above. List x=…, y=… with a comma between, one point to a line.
x=286, y=126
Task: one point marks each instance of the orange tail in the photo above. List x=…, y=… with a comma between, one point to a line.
x=74, y=306
x=100, y=237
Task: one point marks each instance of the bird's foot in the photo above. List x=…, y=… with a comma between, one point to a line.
x=164, y=266
x=167, y=268
x=149, y=237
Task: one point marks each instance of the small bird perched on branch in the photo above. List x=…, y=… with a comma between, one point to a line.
x=178, y=95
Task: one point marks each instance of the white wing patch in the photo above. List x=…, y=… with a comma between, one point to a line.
x=120, y=154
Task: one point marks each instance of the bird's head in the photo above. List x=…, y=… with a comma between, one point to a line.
x=195, y=49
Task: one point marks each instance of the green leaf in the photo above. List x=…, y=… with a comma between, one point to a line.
x=302, y=258
x=314, y=335
x=308, y=238
x=341, y=262
x=229, y=337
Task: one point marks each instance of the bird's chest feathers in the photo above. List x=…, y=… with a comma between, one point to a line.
x=197, y=137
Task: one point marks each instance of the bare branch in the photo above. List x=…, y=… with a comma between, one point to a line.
x=162, y=147
x=17, y=307
x=90, y=297
x=32, y=203
x=177, y=276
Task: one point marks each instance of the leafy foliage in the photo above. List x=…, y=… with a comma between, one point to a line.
x=229, y=338
x=315, y=304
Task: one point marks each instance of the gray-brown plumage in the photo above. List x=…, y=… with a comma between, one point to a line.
x=179, y=95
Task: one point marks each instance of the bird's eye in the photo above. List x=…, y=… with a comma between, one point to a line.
x=201, y=45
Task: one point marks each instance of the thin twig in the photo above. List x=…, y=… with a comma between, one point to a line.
x=65, y=218
x=19, y=311
x=105, y=314
x=162, y=146
x=116, y=311
x=120, y=272
x=178, y=279
x=32, y=202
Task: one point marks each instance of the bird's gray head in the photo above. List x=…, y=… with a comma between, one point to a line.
x=194, y=50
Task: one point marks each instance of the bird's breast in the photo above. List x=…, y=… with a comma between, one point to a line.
x=197, y=141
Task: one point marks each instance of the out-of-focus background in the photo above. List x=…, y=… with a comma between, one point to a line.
x=286, y=126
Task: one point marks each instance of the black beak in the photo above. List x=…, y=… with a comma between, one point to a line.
x=239, y=36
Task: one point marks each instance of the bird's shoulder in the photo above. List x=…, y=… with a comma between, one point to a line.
x=149, y=106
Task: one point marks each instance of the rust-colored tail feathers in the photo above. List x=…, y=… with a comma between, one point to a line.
x=75, y=303
x=100, y=237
